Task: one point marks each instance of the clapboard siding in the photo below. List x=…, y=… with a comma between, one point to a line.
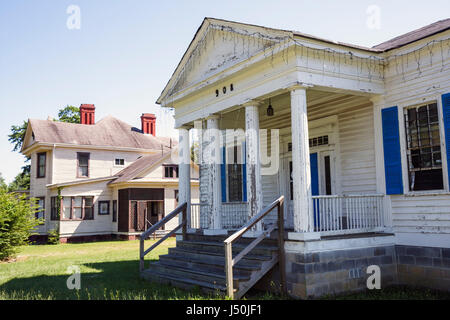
x=101, y=163
x=424, y=214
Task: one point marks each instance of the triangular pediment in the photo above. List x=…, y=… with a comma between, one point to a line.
x=218, y=46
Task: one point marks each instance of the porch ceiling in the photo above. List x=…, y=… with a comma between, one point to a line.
x=320, y=104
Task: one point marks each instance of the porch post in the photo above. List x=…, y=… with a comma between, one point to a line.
x=184, y=171
x=301, y=174
x=254, y=187
x=212, y=159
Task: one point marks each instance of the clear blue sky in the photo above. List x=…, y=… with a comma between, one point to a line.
x=125, y=51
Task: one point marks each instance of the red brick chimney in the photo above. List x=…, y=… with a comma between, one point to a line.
x=87, y=114
x=148, y=121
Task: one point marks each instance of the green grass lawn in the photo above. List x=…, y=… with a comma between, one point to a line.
x=110, y=270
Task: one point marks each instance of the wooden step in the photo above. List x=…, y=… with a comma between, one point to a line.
x=184, y=283
x=219, y=247
x=208, y=255
x=196, y=274
x=199, y=261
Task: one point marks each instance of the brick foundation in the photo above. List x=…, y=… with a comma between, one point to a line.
x=91, y=238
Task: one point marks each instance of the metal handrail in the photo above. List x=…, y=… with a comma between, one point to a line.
x=180, y=209
x=230, y=262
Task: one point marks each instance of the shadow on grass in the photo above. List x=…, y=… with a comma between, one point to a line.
x=111, y=280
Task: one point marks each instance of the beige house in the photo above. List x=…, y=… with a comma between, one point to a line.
x=104, y=179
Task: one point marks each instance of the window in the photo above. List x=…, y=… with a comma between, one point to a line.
x=83, y=165
x=103, y=207
x=41, y=164
x=235, y=181
x=170, y=171
x=119, y=162
x=54, y=215
x=423, y=148
x=114, y=215
x=40, y=212
x=76, y=208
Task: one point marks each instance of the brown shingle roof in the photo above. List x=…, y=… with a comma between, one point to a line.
x=107, y=132
x=415, y=35
x=138, y=166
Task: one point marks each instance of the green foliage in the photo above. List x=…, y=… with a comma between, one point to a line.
x=17, y=135
x=53, y=236
x=69, y=114
x=2, y=182
x=22, y=180
x=17, y=221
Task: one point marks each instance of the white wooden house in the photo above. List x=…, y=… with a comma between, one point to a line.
x=101, y=180
x=359, y=146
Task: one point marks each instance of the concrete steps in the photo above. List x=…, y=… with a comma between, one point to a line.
x=199, y=261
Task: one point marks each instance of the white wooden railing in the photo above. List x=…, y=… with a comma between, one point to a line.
x=333, y=215
x=342, y=214
x=234, y=215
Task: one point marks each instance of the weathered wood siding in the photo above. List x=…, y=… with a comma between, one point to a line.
x=419, y=218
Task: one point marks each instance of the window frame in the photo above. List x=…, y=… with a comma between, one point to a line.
x=100, y=205
x=403, y=147
x=54, y=209
x=88, y=155
x=119, y=165
x=72, y=207
x=38, y=176
x=238, y=149
x=36, y=214
x=175, y=170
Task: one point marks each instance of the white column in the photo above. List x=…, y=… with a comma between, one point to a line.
x=254, y=187
x=212, y=160
x=303, y=209
x=184, y=171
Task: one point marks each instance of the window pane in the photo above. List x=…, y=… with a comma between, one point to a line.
x=77, y=202
x=77, y=213
x=83, y=160
x=83, y=171
x=424, y=154
x=67, y=206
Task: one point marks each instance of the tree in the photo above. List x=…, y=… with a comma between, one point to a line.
x=68, y=114
x=2, y=182
x=17, y=221
x=21, y=181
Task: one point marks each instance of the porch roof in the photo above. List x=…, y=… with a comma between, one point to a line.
x=396, y=42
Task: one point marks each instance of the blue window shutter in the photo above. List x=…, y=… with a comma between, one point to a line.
x=223, y=175
x=315, y=186
x=244, y=172
x=314, y=174
x=446, y=116
x=391, y=147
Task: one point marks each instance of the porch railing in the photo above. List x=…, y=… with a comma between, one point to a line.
x=181, y=209
x=234, y=215
x=231, y=261
x=341, y=214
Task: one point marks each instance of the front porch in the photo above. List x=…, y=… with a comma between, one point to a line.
x=326, y=169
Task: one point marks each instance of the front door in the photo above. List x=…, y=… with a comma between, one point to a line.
x=322, y=164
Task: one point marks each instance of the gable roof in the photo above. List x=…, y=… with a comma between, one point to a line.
x=399, y=41
x=109, y=131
